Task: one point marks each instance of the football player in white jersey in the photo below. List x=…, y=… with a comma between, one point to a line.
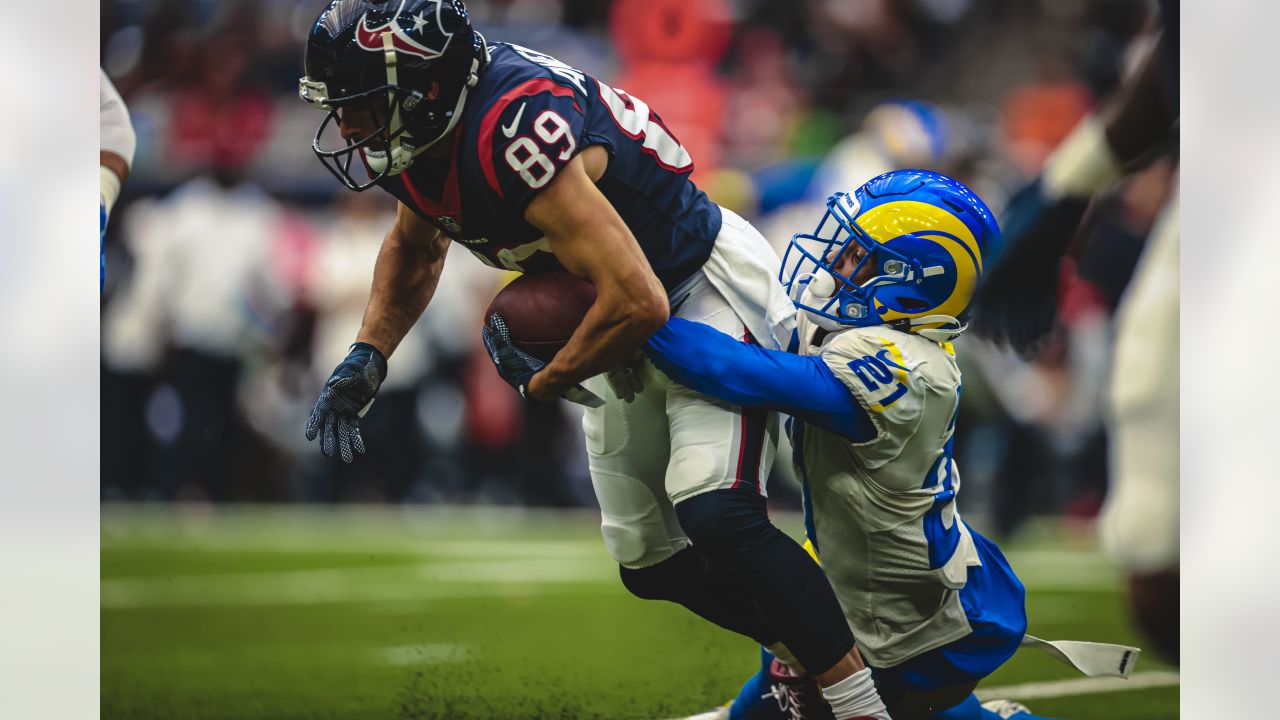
x=883, y=285
x=115, y=154
x=1017, y=306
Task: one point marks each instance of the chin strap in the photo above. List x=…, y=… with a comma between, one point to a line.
x=820, y=289
x=473, y=77
x=810, y=298
x=938, y=328
x=401, y=157
x=396, y=151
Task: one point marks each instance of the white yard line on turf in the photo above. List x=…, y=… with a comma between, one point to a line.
x=441, y=580
x=319, y=544
x=1079, y=686
x=428, y=654
x=1037, y=690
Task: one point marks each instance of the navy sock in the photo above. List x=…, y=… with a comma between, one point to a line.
x=731, y=529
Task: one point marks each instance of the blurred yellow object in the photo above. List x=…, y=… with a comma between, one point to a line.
x=731, y=189
x=506, y=276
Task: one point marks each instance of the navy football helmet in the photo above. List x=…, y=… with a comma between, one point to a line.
x=408, y=63
x=922, y=238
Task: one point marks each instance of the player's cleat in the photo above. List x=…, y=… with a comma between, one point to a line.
x=798, y=695
x=1007, y=709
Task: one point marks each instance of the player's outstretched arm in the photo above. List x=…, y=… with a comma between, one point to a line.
x=1017, y=302
x=115, y=154
x=591, y=240
x=117, y=142
x=404, y=279
x=713, y=363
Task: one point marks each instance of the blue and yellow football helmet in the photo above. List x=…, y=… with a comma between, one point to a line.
x=925, y=234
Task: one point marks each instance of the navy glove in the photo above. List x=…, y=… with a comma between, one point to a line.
x=518, y=367
x=1017, y=302
x=514, y=365
x=346, y=397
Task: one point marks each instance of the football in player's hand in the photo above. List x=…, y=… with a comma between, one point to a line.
x=542, y=310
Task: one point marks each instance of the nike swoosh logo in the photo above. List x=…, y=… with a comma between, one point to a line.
x=510, y=130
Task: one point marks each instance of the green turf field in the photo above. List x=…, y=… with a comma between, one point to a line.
x=465, y=613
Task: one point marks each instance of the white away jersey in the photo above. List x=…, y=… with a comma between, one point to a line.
x=884, y=518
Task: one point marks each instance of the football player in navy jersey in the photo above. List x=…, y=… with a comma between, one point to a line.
x=533, y=165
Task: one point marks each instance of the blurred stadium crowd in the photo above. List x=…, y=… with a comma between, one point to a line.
x=238, y=268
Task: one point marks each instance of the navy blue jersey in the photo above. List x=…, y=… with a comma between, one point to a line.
x=526, y=119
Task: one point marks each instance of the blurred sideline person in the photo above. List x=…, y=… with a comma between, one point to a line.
x=533, y=165
x=893, y=135
x=883, y=285
x=117, y=142
x=201, y=301
x=1017, y=305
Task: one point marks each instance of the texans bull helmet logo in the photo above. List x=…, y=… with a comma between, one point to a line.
x=391, y=54
x=403, y=27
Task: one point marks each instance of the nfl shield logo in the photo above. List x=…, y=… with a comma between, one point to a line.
x=450, y=225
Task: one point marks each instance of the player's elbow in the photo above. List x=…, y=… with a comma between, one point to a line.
x=649, y=313
x=635, y=302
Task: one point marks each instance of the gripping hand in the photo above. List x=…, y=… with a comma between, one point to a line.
x=625, y=380
x=1017, y=302
x=514, y=365
x=518, y=367
x=345, y=398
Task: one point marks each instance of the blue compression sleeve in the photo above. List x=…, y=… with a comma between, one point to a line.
x=102, y=245
x=704, y=359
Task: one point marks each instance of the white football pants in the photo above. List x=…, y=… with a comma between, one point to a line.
x=1139, y=522
x=672, y=443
